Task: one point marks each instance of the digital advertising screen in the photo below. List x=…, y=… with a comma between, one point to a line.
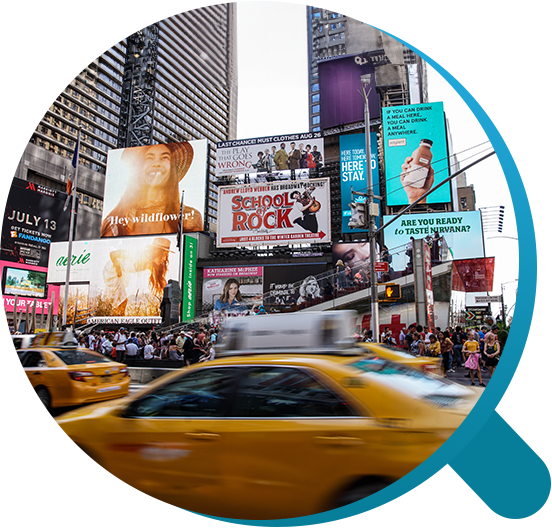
x=416, y=153
x=25, y=282
x=144, y=186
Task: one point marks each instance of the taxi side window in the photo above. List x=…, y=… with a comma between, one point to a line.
x=203, y=393
x=33, y=359
x=284, y=392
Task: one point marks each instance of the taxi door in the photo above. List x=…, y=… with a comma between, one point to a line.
x=35, y=367
x=169, y=442
x=292, y=444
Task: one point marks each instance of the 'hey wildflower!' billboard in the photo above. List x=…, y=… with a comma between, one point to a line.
x=144, y=185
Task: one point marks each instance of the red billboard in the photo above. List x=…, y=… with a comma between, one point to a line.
x=473, y=275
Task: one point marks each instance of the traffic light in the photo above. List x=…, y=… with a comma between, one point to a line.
x=392, y=292
x=358, y=216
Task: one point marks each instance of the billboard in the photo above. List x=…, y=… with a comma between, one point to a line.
x=144, y=185
x=456, y=235
x=126, y=276
x=232, y=290
x=473, y=275
x=356, y=255
x=277, y=213
x=416, y=153
x=341, y=88
x=271, y=154
x=289, y=286
x=189, y=278
x=353, y=170
x=33, y=219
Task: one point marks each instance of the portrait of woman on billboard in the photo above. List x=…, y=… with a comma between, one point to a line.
x=231, y=299
x=150, y=203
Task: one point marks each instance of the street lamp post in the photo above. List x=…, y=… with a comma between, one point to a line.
x=369, y=208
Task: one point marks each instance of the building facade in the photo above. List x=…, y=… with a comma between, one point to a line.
x=402, y=81
x=175, y=80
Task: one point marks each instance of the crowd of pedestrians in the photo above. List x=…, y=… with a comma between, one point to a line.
x=472, y=349
x=123, y=345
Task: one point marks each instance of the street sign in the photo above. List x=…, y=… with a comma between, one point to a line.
x=488, y=299
x=381, y=267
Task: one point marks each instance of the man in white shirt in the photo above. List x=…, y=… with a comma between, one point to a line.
x=120, y=341
x=131, y=349
x=148, y=351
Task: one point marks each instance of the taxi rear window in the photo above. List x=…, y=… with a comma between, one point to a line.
x=79, y=357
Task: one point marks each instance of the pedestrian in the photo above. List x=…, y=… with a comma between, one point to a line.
x=434, y=348
x=471, y=350
x=446, y=348
x=173, y=351
x=341, y=279
x=131, y=347
x=107, y=345
x=491, y=351
x=458, y=337
x=417, y=347
x=119, y=341
x=148, y=350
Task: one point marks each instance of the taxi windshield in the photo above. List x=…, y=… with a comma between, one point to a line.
x=433, y=389
x=79, y=357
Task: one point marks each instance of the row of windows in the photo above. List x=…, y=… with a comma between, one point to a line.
x=91, y=103
x=244, y=392
x=57, y=149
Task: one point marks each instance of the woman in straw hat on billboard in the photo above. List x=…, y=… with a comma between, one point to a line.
x=150, y=203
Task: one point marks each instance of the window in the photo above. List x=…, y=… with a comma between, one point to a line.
x=316, y=120
x=282, y=392
x=315, y=87
x=202, y=393
x=315, y=109
x=78, y=357
x=316, y=98
x=32, y=359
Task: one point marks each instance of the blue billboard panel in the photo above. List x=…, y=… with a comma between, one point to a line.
x=416, y=154
x=352, y=158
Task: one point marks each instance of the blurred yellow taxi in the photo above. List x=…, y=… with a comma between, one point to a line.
x=259, y=434
x=64, y=375
x=431, y=365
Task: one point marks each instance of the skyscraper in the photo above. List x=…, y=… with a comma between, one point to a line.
x=331, y=34
x=172, y=81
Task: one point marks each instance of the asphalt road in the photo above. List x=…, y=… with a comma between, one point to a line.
x=459, y=377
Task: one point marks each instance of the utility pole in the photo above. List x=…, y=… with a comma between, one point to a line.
x=370, y=207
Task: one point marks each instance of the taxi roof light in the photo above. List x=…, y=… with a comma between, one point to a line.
x=328, y=332
x=54, y=339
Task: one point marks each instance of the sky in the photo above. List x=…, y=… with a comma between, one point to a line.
x=267, y=107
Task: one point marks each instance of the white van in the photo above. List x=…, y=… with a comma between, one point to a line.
x=22, y=340
x=300, y=332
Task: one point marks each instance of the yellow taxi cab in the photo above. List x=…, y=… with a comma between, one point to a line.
x=431, y=365
x=272, y=432
x=64, y=375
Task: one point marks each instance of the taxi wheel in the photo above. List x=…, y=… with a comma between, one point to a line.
x=44, y=396
x=360, y=490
